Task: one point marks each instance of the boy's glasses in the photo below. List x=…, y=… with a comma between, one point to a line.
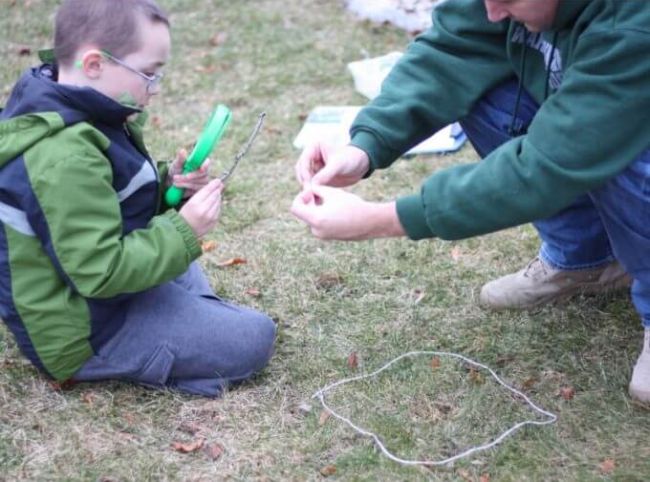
x=153, y=80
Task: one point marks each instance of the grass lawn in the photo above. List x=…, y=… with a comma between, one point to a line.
x=374, y=299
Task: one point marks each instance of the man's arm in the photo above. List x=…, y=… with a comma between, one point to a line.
x=437, y=81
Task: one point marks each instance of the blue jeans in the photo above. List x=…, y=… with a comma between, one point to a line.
x=609, y=223
x=181, y=336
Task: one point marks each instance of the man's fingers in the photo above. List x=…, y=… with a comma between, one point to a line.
x=302, y=207
x=309, y=162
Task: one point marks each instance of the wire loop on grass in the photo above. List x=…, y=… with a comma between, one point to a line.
x=551, y=417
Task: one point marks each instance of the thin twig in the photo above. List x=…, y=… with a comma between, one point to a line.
x=226, y=174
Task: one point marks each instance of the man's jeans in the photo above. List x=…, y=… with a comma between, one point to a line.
x=610, y=222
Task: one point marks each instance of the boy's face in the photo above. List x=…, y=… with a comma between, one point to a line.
x=118, y=78
x=536, y=15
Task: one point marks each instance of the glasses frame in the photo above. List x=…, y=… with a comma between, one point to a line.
x=153, y=81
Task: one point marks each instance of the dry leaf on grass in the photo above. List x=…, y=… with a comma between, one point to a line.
x=567, y=393
x=353, y=361
x=455, y=253
x=326, y=281
x=529, y=383
x=328, y=470
x=476, y=377
x=88, y=398
x=484, y=478
x=218, y=38
x=435, y=362
x=232, y=262
x=324, y=417
x=213, y=450
x=607, y=466
x=253, y=292
x=207, y=246
x=465, y=475
x=186, y=448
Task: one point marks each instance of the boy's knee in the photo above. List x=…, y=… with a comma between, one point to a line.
x=261, y=343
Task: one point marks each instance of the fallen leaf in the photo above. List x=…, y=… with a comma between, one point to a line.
x=353, y=361
x=218, y=38
x=476, y=377
x=186, y=448
x=207, y=246
x=465, y=475
x=435, y=362
x=232, y=262
x=607, y=466
x=214, y=450
x=24, y=51
x=328, y=281
x=443, y=408
x=567, y=393
x=328, y=470
x=484, y=478
x=63, y=386
x=253, y=292
x=455, y=253
x=205, y=69
x=324, y=417
x=529, y=383
x=156, y=121
x=88, y=398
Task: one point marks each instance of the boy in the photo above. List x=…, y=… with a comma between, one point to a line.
x=97, y=279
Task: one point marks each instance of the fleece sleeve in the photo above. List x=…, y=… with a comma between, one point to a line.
x=590, y=130
x=437, y=81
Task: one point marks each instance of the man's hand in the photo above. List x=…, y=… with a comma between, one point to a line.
x=328, y=165
x=191, y=182
x=202, y=210
x=336, y=214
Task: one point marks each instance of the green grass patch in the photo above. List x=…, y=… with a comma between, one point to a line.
x=379, y=299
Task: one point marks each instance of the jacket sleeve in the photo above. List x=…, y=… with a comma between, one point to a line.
x=590, y=130
x=80, y=221
x=437, y=81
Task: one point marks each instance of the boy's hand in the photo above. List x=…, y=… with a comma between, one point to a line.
x=191, y=182
x=202, y=210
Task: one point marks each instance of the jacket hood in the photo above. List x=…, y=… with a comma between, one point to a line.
x=39, y=107
x=567, y=12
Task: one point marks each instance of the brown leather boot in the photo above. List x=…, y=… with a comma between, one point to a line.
x=538, y=283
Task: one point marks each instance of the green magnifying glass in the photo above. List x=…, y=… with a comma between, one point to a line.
x=208, y=140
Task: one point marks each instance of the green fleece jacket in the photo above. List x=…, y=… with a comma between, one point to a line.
x=594, y=122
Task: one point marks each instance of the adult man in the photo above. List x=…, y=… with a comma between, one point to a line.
x=555, y=96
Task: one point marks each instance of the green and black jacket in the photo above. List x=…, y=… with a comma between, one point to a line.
x=81, y=227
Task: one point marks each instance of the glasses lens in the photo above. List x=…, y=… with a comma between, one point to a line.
x=154, y=83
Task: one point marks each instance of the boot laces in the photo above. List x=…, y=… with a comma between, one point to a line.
x=536, y=269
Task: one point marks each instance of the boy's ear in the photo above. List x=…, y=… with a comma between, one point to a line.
x=91, y=63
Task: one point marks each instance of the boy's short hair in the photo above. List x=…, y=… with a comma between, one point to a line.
x=110, y=24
